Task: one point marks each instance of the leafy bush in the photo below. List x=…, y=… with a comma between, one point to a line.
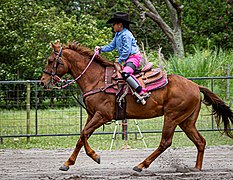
x=203, y=63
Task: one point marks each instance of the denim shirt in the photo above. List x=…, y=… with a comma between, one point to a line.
x=124, y=42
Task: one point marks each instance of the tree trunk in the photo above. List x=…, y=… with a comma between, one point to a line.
x=173, y=34
x=178, y=46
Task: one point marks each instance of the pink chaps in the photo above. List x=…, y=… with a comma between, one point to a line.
x=135, y=59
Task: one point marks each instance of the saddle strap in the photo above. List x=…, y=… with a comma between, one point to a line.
x=91, y=92
x=94, y=91
x=120, y=104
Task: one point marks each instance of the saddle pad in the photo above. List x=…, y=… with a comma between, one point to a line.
x=159, y=83
x=152, y=76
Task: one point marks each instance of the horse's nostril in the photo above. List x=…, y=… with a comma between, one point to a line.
x=41, y=83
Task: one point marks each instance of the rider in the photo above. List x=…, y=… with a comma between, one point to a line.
x=128, y=50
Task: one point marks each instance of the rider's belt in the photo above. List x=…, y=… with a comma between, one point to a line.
x=135, y=53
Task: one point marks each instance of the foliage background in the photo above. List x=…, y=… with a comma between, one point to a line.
x=28, y=26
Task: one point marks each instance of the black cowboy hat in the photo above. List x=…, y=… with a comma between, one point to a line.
x=120, y=17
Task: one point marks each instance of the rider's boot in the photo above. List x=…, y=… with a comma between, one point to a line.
x=144, y=94
x=140, y=92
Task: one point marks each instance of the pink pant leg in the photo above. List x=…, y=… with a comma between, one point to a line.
x=128, y=69
x=135, y=59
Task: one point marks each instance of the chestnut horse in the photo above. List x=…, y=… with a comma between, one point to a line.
x=179, y=101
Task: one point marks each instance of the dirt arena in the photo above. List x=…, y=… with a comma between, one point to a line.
x=173, y=164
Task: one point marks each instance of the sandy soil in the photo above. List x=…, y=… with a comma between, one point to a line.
x=172, y=164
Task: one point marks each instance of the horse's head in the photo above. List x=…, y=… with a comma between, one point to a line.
x=55, y=67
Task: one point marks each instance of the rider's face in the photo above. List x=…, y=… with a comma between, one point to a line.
x=117, y=27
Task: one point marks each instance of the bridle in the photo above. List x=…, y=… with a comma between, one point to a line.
x=56, y=78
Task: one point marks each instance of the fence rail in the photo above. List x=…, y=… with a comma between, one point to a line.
x=27, y=110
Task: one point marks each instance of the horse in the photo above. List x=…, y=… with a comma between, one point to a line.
x=179, y=102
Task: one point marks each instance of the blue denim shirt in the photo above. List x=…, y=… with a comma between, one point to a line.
x=124, y=42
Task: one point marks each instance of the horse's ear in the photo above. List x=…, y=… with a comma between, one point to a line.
x=52, y=45
x=55, y=46
x=58, y=43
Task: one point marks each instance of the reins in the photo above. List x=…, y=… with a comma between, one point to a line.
x=77, y=78
x=71, y=82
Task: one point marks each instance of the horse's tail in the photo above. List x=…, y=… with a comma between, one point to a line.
x=223, y=113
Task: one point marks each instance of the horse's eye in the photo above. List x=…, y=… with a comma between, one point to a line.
x=50, y=60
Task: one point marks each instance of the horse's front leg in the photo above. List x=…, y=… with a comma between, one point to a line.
x=96, y=121
x=73, y=157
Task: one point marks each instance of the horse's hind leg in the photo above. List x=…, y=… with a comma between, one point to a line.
x=188, y=126
x=166, y=141
x=73, y=156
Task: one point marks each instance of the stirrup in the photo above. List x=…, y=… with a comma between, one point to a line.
x=142, y=98
x=146, y=95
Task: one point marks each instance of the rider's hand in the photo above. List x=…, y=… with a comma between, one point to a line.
x=97, y=48
x=116, y=59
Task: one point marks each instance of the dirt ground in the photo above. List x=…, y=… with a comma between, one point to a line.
x=172, y=164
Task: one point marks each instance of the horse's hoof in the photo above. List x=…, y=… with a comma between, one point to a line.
x=64, y=168
x=137, y=169
x=98, y=159
x=194, y=169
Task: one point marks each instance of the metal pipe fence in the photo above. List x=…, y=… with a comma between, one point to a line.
x=27, y=110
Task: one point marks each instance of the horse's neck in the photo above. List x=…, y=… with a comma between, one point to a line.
x=92, y=78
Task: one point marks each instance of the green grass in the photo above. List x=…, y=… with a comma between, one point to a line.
x=66, y=121
x=102, y=142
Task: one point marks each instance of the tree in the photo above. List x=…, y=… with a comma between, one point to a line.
x=174, y=35
x=207, y=24
x=27, y=29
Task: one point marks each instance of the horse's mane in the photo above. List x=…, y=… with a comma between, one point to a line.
x=88, y=52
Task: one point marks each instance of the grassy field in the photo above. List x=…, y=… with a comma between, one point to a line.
x=102, y=142
x=67, y=121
